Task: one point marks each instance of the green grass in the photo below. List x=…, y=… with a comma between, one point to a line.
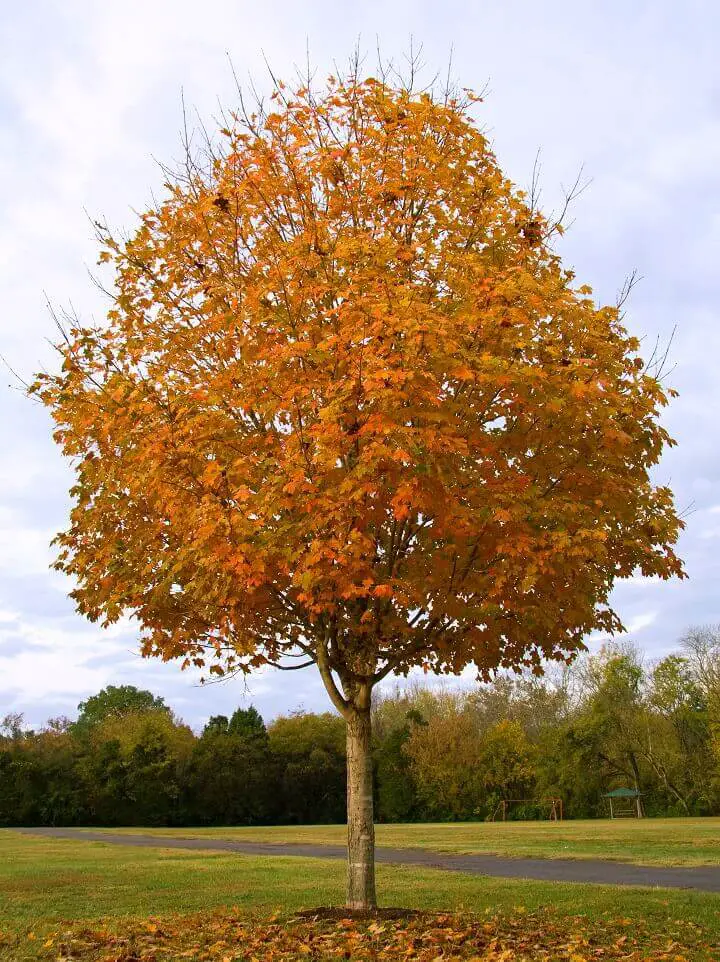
x=666, y=841
x=47, y=879
x=46, y=882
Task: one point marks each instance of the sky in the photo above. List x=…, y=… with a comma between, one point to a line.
x=90, y=101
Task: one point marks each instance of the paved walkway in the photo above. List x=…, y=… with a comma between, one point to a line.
x=703, y=878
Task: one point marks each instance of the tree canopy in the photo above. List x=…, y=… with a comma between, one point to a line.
x=115, y=701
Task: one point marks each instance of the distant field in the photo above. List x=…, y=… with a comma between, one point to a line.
x=109, y=891
x=666, y=841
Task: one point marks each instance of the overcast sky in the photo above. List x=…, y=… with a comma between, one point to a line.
x=90, y=99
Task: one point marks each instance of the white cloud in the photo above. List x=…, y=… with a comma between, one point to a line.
x=643, y=581
x=638, y=622
x=91, y=92
x=42, y=676
x=42, y=659
x=24, y=550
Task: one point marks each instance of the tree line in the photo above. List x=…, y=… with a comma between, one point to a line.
x=606, y=720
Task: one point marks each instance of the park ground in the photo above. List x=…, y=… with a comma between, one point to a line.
x=78, y=900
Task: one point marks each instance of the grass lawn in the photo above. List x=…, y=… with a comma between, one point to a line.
x=650, y=841
x=109, y=892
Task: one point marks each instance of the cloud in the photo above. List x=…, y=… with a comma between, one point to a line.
x=639, y=622
x=44, y=659
x=90, y=95
x=24, y=549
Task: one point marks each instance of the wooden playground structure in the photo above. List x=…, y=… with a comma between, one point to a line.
x=549, y=808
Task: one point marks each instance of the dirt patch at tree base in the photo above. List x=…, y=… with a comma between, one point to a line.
x=334, y=913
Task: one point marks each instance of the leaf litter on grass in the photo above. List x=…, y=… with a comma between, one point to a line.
x=323, y=935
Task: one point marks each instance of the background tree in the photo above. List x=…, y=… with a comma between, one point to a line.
x=217, y=724
x=234, y=779
x=11, y=726
x=507, y=763
x=565, y=735
x=310, y=752
x=38, y=782
x=675, y=734
x=609, y=725
x=134, y=770
x=394, y=718
x=702, y=648
x=248, y=723
x=701, y=645
x=114, y=701
x=348, y=409
x=445, y=761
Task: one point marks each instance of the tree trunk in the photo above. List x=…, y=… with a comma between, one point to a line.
x=361, y=828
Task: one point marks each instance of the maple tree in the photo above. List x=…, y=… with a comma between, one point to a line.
x=348, y=409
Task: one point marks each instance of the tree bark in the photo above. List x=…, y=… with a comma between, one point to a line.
x=361, y=828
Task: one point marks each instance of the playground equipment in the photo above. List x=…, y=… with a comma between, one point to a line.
x=549, y=808
x=625, y=803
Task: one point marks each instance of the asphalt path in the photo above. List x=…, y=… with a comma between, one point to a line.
x=705, y=878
